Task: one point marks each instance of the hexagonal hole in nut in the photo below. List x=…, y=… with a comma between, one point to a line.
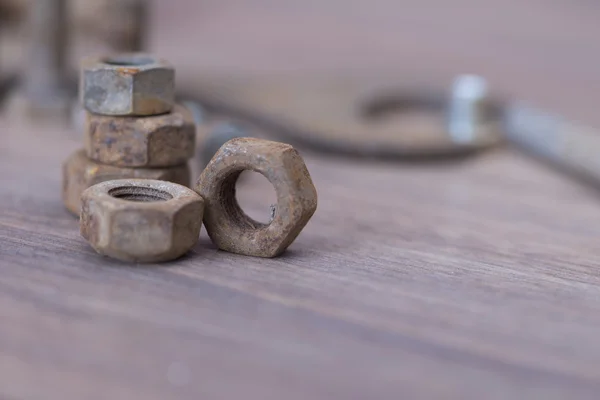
x=139, y=194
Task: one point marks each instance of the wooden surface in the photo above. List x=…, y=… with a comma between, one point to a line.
x=472, y=280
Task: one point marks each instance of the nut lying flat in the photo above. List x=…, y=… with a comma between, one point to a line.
x=227, y=225
x=141, y=220
x=127, y=85
x=79, y=173
x=156, y=141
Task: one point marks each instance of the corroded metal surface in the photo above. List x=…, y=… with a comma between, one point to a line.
x=79, y=173
x=141, y=220
x=227, y=224
x=127, y=85
x=156, y=141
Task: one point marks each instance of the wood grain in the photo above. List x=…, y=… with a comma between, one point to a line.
x=470, y=280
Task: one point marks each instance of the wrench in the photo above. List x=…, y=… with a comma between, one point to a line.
x=564, y=144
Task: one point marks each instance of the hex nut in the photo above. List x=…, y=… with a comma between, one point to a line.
x=156, y=141
x=141, y=220
x=227, y=224
x=127, y=85
x=79, y=173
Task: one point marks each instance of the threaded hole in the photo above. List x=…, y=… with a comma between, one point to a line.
x=140, y=194
x=256, y=196
x=232, y=207
x=128, y=60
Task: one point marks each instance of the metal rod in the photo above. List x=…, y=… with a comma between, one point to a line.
x=570, y=146
x=46, y=64
x=129, y=29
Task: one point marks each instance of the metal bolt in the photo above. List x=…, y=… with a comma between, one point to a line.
x=465, y=111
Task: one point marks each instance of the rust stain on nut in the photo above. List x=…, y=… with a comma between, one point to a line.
x=80, y=172
x=128, y=71
x=156, y=141
x=227, y=224
x=141, y=220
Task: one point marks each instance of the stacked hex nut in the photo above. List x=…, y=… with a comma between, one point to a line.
x=133, y=127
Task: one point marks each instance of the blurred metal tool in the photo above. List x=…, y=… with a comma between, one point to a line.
x=213, y=131
x=7, y=86
x=217, y=135
x=11, y=12
x=352, y=117
x=44, y=86
x=199, y=113
x=563, y=144
x=127, y=29
x=359, y=117
x=466, y=108
x=121, y=24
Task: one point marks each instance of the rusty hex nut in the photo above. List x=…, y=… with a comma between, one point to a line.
x=141, y=220
x=79, y=173
x=227, y=224
x=156, y=141
x=127, y=85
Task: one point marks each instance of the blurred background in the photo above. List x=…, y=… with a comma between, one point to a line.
x=527, y=49
x=482, y=275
